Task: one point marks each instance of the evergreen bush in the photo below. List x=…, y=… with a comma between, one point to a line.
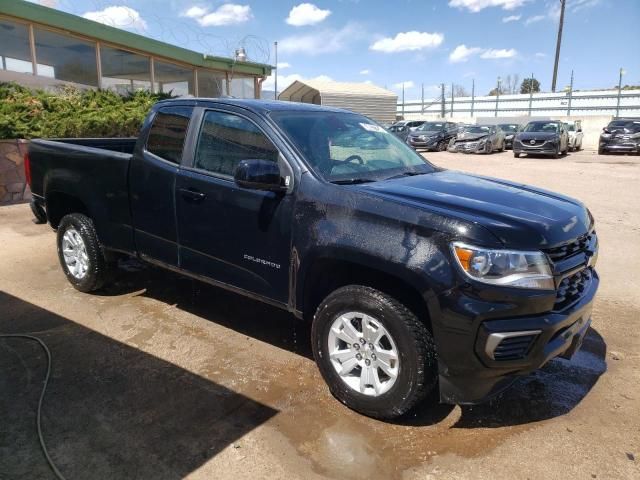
x=69, y=112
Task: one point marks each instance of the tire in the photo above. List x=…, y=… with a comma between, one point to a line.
x=93, y=267
x=416, y=367
x=558, y=152
x=601, y=151
x=488, y=148
x=39, y=214
x=504, y=146
x=442, y=146
x=516, y=155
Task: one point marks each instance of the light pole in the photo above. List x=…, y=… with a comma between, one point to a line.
x=559, y=41
x=498, y=95
x=276, y=79
x=622, y=72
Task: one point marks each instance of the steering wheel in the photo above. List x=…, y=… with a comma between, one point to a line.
x=351, y=158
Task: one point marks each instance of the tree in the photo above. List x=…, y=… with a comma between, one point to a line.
x=494, y=91
x=530, y=85
x=459, y=91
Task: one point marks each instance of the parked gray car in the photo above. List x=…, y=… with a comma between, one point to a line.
x=402, y=128
x=479, y=139
x=510, y=130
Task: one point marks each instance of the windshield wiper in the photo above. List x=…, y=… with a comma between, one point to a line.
x=405, y=174
x=353, y=181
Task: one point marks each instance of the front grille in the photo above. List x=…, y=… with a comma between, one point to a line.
x=567, y=250
x=571, y=289
x=514, y=348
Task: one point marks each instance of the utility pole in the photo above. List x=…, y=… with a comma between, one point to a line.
x=530, y=93
x=555, y=65
x=570, y=95
x=276, y=79
x=403, y=100
x=451, y=115
x=622, y=72
x=442, y=113
x=473, y=94
x=497, y=96
x=422, y=101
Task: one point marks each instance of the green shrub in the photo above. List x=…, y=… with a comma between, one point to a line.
x=69, y=112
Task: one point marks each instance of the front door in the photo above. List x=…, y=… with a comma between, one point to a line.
x=230, y=234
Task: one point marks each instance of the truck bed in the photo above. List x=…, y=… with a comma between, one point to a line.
x=94, y=170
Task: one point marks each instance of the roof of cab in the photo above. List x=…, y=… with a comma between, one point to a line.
x=258, y=106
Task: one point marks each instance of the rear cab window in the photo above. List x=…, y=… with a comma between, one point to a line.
x=168, y=132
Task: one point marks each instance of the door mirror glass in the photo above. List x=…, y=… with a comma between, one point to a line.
x=259, y=174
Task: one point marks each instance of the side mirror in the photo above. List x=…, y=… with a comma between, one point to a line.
x=606, y=130
x=258, y=174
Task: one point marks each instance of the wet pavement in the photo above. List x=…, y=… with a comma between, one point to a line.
x=160, y=376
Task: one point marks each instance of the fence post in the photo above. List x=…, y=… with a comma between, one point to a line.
x=619, y=92
x=570, y=95
x=530, y=93
x=442, y=109
x=403, y=100
x=473, y=94
x=422, y=101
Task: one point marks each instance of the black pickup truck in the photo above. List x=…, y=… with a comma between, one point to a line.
x=416, y=278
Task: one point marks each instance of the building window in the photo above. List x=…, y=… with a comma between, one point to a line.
x=15, y=54
x=173, y=79
x=66, y=58
x=211, y=84
x=168, y=131
x=242, y=87
x=124, y=71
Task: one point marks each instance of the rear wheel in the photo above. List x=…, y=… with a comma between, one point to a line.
x=80, y=253
x=375, y=355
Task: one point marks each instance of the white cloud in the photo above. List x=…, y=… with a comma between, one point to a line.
x=227, y=14
x=462, y=53
x=283, y=65
x=365, y=72
x=477, y=5
x=407, y=85
x=118, y=16
x=511, y=18
x=324, y=41
x=534, y=19
x=408, y=41
x=540, y=55
x=306, y=14
x=493, y=53
x=285, y=80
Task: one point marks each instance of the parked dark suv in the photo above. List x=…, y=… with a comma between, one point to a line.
x=620, y=136
x=548, y=137
x=432, y=136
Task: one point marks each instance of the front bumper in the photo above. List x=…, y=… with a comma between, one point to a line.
x=467, y=147
x=547, y=148
x=428, y=144
x=476, y=368
x=623, y=147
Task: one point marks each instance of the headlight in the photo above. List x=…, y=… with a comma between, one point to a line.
x=508, y=268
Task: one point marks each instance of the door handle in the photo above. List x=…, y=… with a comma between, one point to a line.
x=193, y=195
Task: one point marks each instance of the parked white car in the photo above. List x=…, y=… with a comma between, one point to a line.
x=574, y=128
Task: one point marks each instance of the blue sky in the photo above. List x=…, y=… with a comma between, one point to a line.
x=391, y=42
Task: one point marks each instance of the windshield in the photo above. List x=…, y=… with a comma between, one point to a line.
x=349, y=147
x=477, y=129
x=431, y=127
x=549, y=127
x=509, y=128
x=630, y=127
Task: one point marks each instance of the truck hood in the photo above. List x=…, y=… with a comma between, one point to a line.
x=471, y=137
x=520, y=216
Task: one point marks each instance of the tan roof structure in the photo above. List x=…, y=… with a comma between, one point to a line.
x=374, y=102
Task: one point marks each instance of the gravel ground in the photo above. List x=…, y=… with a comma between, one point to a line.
x=160, y=376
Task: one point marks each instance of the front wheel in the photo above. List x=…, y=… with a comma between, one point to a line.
x=80, y=253
x=375, y=355
x=442, y=146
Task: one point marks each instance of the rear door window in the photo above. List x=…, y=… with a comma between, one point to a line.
x=168, y=132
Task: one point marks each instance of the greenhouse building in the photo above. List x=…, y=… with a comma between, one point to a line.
x=42, y=47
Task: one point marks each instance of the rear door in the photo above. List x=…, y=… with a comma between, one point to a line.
x=233, y=235
x=152, y=179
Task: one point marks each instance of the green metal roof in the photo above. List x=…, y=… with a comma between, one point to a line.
x=88, y=28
